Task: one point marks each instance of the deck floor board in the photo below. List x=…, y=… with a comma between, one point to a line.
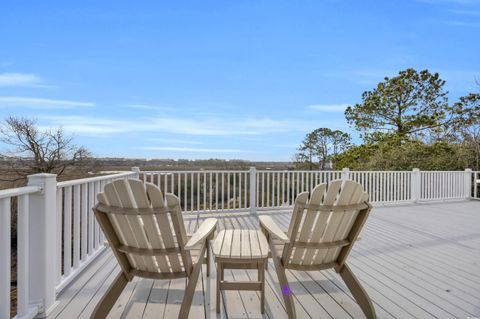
x=415, y=261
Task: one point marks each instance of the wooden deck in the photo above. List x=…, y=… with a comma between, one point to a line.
x=415, y=261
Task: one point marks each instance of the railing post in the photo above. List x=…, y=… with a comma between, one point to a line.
x=253, y=190
x=476, y=183
x=42, y=242
x=415, y=185
x=137, y=171
x=345, y=173
x=468, y=183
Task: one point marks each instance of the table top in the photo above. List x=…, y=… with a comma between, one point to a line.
x=240, y=244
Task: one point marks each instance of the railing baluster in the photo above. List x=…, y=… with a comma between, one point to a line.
x=228, y=190
x=76, y=226
x=102, y=235
x=5, y=255
x=210, y=192
x=90, y=218
x=268, y=190
x=198, y=192
x=223, y=191
x=67, y=232
x=59, y=238
x=22, y=256
x=272, y=190
x=297, y=179
x=204, y=192
x=96, y=239
x=185, y=180
x=85, y=212
x=216, y=191
x=247, y=189
x=278, y=189
x=234, y=190
x=263, y=189
x=288, y=189
x=240, y=190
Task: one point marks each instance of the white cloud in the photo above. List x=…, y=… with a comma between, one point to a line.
x=285, y=145
x=21, y=79
x=41, y=103
x=175, y=141
x=192, y=149
x=328, y=107
x=150, y=107
x=207, y=126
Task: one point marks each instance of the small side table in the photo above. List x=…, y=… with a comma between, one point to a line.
x=241, y=249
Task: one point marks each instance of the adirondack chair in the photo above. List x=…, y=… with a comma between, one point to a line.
x=320, y=236
x=147, y=236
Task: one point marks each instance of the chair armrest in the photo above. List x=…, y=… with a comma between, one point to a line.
x=267, y=223
x=205, y=229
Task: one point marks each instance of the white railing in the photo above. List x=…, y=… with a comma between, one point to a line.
x=385, y=187
x=279, y=188
x=205, y=191
x=217, y=191
x=79, y=238
x=55, y=220
x=444, y=185
x=25, y=308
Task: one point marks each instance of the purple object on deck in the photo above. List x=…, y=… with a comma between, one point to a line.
x=286, y=290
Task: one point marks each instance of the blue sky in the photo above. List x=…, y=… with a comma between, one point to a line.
x=219, y=79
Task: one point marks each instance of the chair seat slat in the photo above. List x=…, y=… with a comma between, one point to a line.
x=149, y=251
x=313, y=245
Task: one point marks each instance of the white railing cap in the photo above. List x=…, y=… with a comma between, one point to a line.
x=94, y=179
x=13, y=192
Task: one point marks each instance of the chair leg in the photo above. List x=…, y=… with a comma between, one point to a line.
x=192, y=284
x=284, y=287
x=217, y=291
x=358, y=292
x=208, y=259
x=108, y=300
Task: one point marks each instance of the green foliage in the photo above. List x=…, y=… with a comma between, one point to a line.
x=390, y=155
x=410, y=104
x=406, y=122
x=468, y=130
x=319, y=147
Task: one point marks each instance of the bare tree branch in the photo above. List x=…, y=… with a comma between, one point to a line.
x=34, y=151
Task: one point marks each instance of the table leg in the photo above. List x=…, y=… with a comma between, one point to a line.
x=219, y=279
x=261, y=278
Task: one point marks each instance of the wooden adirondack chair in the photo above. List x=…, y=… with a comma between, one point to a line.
x=320, y=236
x=148, y=238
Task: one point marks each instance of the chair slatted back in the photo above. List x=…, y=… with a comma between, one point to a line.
x=325, y=225
x=149, y=230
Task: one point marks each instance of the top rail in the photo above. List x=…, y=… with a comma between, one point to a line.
x=195, y=171
x=94, y=179
x=14, y=192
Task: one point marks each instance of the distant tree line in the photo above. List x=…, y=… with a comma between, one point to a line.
x=406, y=121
